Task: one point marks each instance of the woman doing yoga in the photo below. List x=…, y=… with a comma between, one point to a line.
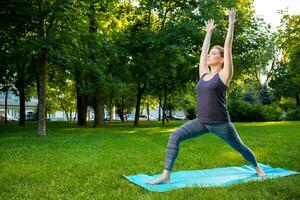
x=212, y=113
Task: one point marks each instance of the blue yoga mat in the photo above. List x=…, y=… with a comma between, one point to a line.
x=209, y=177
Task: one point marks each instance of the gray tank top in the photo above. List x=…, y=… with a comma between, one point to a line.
x=211, y=100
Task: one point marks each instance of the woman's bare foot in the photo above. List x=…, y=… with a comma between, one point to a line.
x=164, y=178
x=260, y=172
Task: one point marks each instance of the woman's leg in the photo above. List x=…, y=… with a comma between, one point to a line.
x=191, y=129
x=228, y=133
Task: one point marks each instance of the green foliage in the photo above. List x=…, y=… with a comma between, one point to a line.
x=265, y=95
x=280, y=81
x=290, y=108
x=271, y=112
x=250, y=95
x=186, y=100
x=110, y=48
x=61, y=97
x=287, y=103
x=241, y=110
x=285, y=78
x=190, y=112
x=293, y=114
x=288, y=37
x=294, y=64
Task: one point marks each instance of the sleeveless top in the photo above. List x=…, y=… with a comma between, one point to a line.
x=211, y=100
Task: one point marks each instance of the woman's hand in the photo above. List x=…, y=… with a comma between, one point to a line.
x=210, y=25
x=231, y=15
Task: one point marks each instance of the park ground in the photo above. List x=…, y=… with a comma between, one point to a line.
x=89, y=163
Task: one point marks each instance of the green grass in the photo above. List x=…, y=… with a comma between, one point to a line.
x=88, y=163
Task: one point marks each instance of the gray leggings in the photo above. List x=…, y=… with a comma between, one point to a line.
x=195, y=128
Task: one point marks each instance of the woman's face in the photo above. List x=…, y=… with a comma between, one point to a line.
x=214, y=58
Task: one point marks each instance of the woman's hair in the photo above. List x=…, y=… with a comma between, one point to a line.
x=221, y=50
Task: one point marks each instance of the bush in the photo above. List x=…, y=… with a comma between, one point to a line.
x=287, y=103
x=241, y=110
x=271, y=112
x=293, y=114
x=190, y=113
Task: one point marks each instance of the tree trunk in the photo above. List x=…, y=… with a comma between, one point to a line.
x=5, y=107
x=159, y=108
x=81, y=104
x=122, y=108
x=81, y=109
x=64, y=109
x=98, y=105
x=110, y=109
x=66, y=113
x=119, y=109
x=22, y=106
x=137, y=108
x=164, y=109
x=119, y=112
x=38, y=89
x=164, y=113
x=138, y=103
x=42, y=75
x=21, y=89
x=98, y=100
x=148, y=112
x=298, y=100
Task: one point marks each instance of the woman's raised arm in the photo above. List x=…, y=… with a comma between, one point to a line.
x=203, y=67
x=227, y=72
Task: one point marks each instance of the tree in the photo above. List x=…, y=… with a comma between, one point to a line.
x=15, y=50
x=265, y=96
x=285, y=77
x=38, y=25
x=250, y=95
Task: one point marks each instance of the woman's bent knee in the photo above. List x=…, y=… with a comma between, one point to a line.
x=175, y=136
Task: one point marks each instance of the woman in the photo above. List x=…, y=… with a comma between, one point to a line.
x=212, y=114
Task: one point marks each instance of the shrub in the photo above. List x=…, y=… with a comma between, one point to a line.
x=241, y=110
x=271, y=112
x=293, y=114
x=190, y=113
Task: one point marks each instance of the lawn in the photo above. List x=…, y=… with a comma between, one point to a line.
x=88, y=163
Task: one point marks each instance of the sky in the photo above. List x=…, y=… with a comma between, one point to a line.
x=267, y=9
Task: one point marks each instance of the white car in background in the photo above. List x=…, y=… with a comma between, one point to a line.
x=9, y=117
x=142, y=117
